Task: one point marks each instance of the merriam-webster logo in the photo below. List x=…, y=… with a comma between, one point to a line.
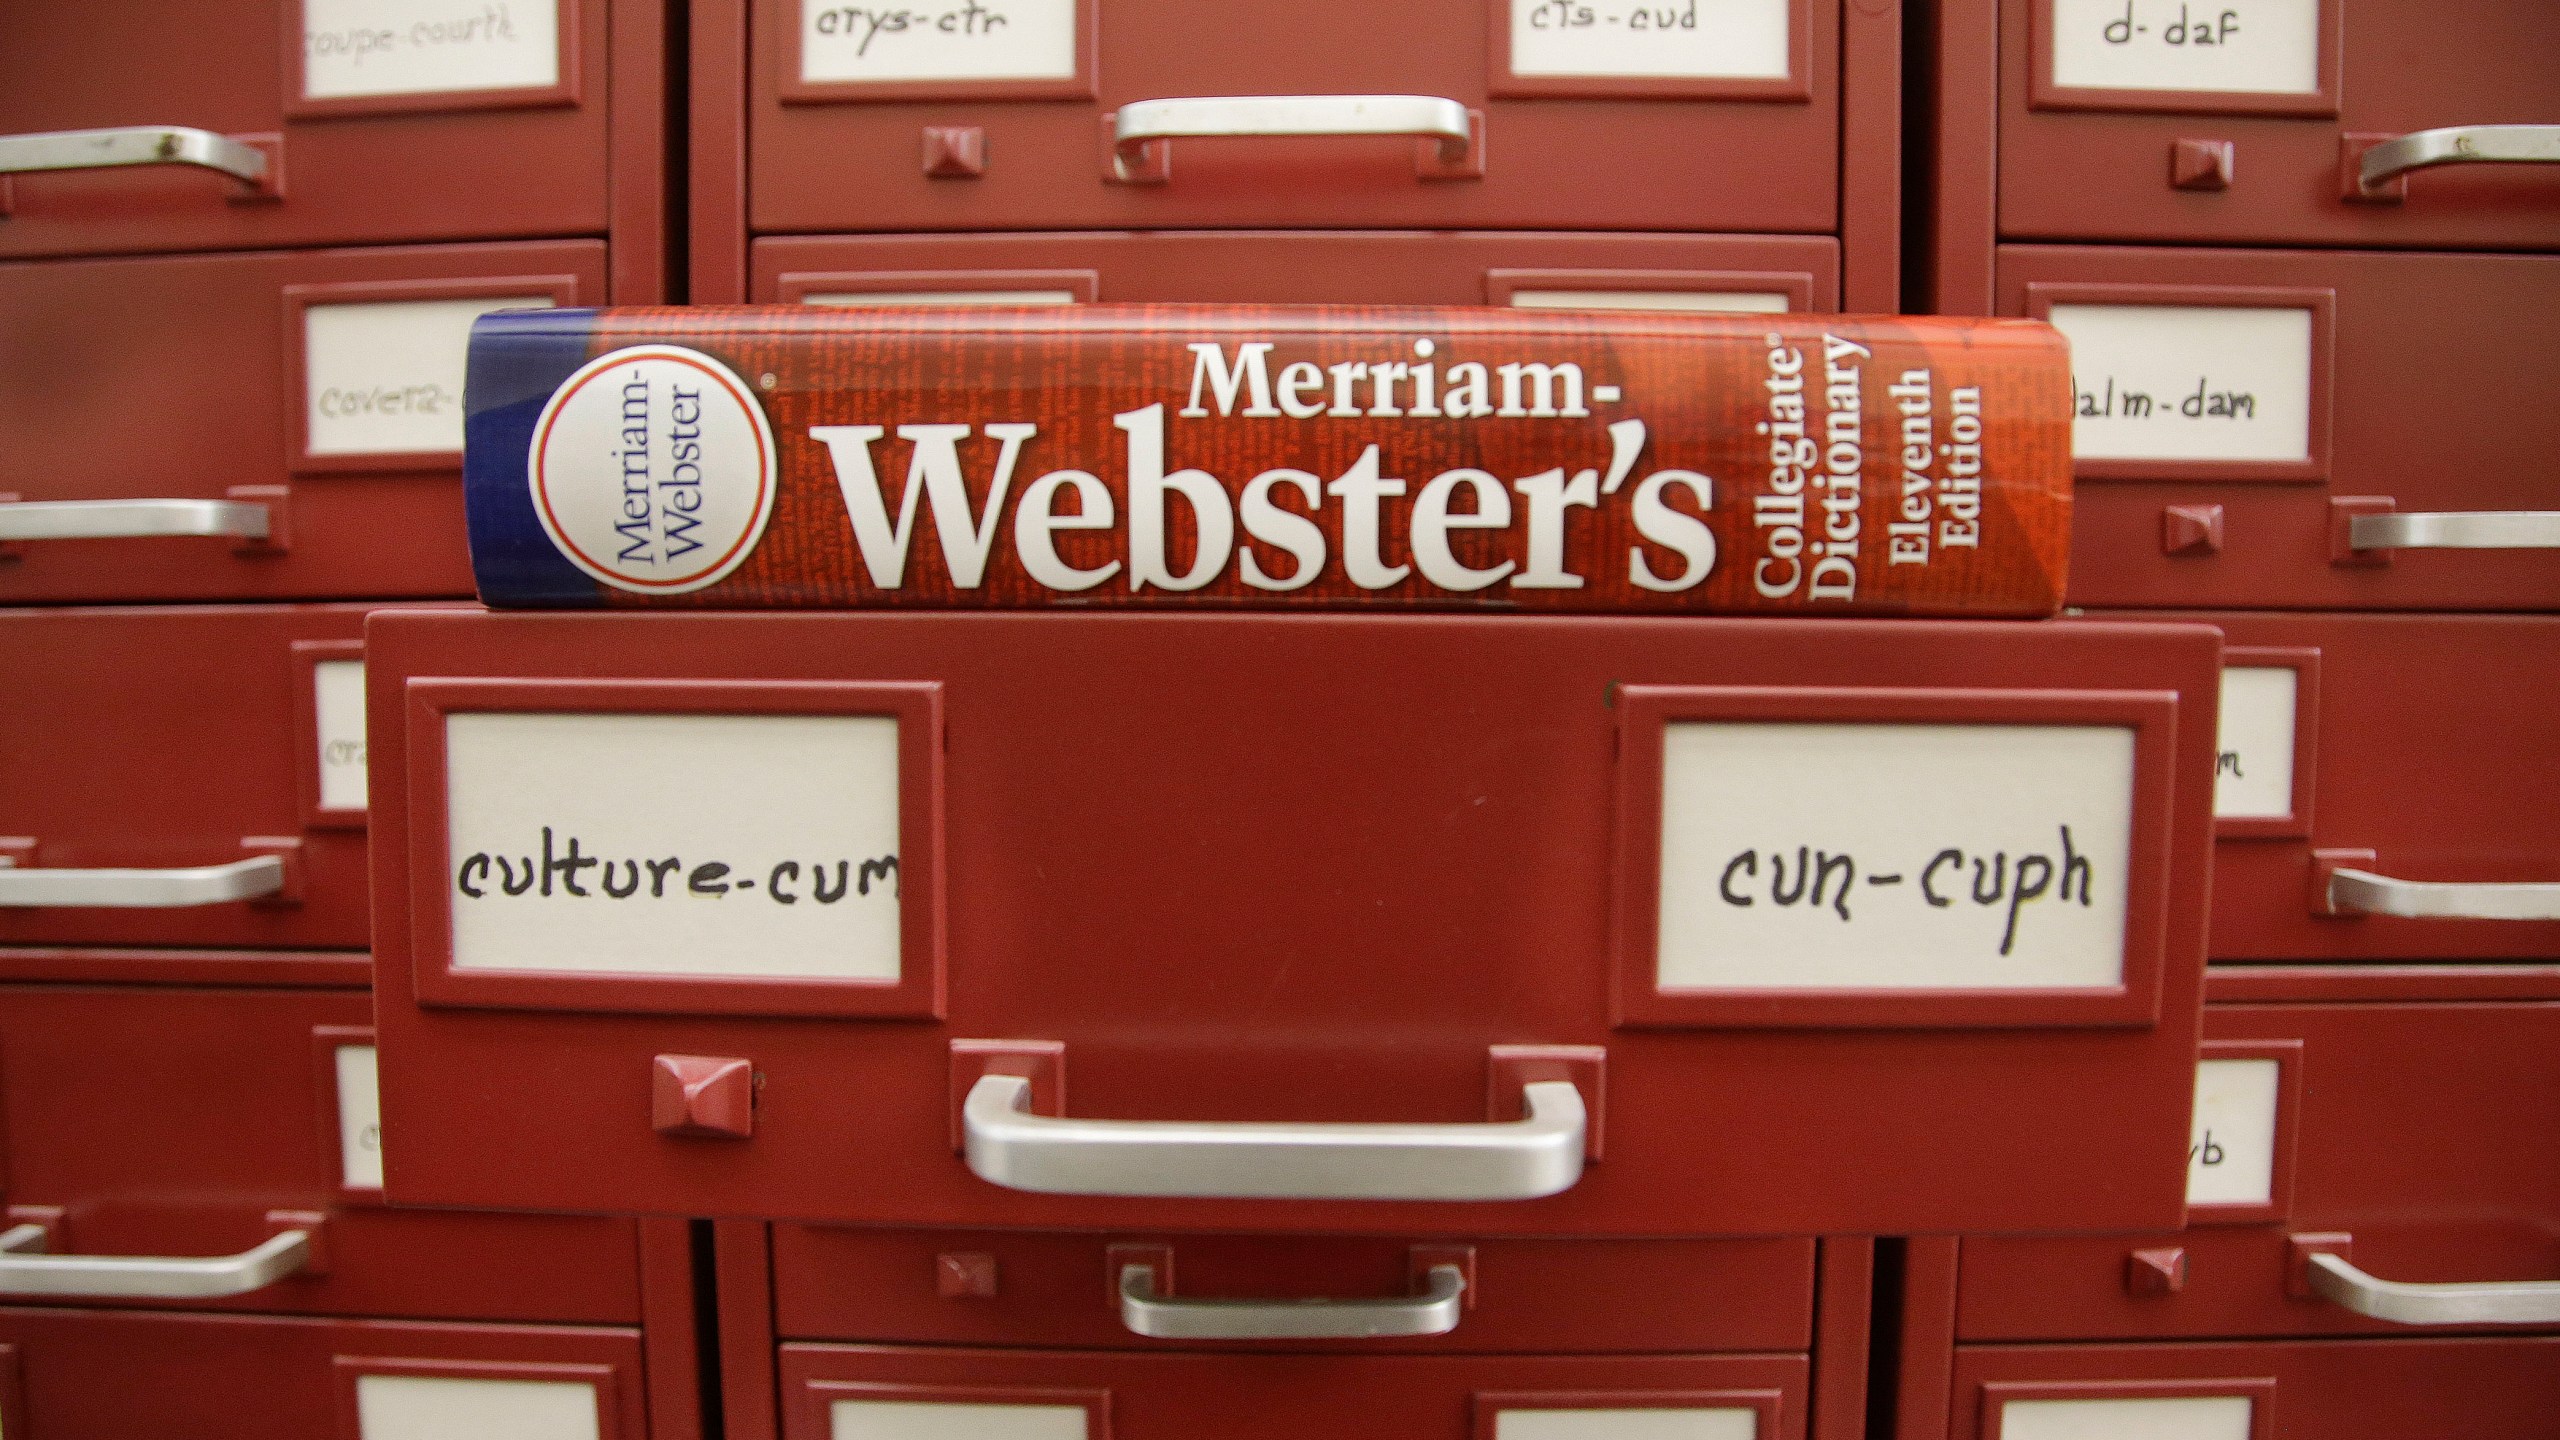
x=653, y=469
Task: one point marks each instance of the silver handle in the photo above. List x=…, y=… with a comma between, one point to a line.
x=2494, y=1302
x=131, y=519
x=26, y=1270
x=131, y=145
x=1252, y=1160
x=2365, y=893
x=2458, y=145
x=249, y=879
x=1434, y=1312
x=2456, y=530
x=1426, y=117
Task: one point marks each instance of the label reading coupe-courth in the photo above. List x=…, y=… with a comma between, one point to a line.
x=575, y=844
x=1650, y=39
x=1893, y=856
x=2176, y=382
x=385, y=377
x=944, y=40
x=353, y=49
x=2235, y=47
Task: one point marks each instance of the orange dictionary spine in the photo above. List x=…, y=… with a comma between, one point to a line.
x=1269, y=457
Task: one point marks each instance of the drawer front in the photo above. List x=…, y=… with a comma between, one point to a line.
x=834, y=1392
x=2251, y=124
x=180, y=740
x=2408, y=1138
x=991, y=1287
x=1047, y=123
x=1708, y=272
x=199, y=1122
x=318, y=392
x=2390, y=781
x=364, y=124
x=2237, y=411
x=2304, y=1390
x=76, y=1375
x=1367, y=879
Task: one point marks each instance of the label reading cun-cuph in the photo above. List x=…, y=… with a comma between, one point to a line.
x=710, y=846
x=352, y=49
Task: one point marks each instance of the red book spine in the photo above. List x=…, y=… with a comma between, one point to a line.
x=1270, y=457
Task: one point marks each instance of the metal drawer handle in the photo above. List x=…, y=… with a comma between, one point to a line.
x=1434, y=1312
x=2365, y=893
x=2493, y=1302
x=1504, y=1160
x=250, y=879
x=2458, y=145
x=1425, y=117
x=132, y=145
x=26, y=1270
x=2456, y=530
x=131, y=519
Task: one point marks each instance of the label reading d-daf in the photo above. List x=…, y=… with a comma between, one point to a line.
x=653, y=469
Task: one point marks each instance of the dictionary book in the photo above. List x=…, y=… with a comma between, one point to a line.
x=1269, y=457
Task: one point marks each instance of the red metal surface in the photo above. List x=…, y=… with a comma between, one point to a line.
x=1577, y=1296
x=165, y=1121
x=1267, y=1396
x=93, y=1375
x=1458, y=900
x=1846, y=1284
x=306, y=969
x=2102, y=172
x=742, y=1281
x=2490, y=1389
x=2417, y=338
x=2420, y=1135
x=1382, y=267
x=166, y=738
x=671, y=1330
x=207, y=395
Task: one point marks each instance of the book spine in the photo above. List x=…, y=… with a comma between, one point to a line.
x=1267, y=457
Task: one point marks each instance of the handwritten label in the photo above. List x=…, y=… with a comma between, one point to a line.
x=937, y=40
x=359, y=1118
x=952, y=1420
x=2178, y=382
x=2231, y=1156
x=1734, y=302
x=2245, y=47
x=385, y=377
x=1846, y=856
x=1699, y=1423
x=721, y=846
x=2253, y=766
x=356, y=48
x=1653, y=39
x=435, y=1407
x=942, y=297
x=337, y=688
x=2170, y=1417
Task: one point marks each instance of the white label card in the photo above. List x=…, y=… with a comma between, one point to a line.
x=359, y=1118
x=431, y=1407
x=337, y=694
x=385, y=377
x=952, y=1420
x=2230, y=47
x=1719, y=1423
x=1894, y=856
x=2253, y=763
x=2231, y=1156
x=2178, y=1417
x=2179, y=382
x=943, y=297
x=705, y=846
x=1736, y=302
x=956, y=40
x=1650, y=39
x=358, y=48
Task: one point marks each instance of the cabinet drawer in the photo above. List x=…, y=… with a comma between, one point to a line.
x=1391, y=871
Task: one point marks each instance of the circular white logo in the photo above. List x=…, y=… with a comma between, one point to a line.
x=653, y=469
